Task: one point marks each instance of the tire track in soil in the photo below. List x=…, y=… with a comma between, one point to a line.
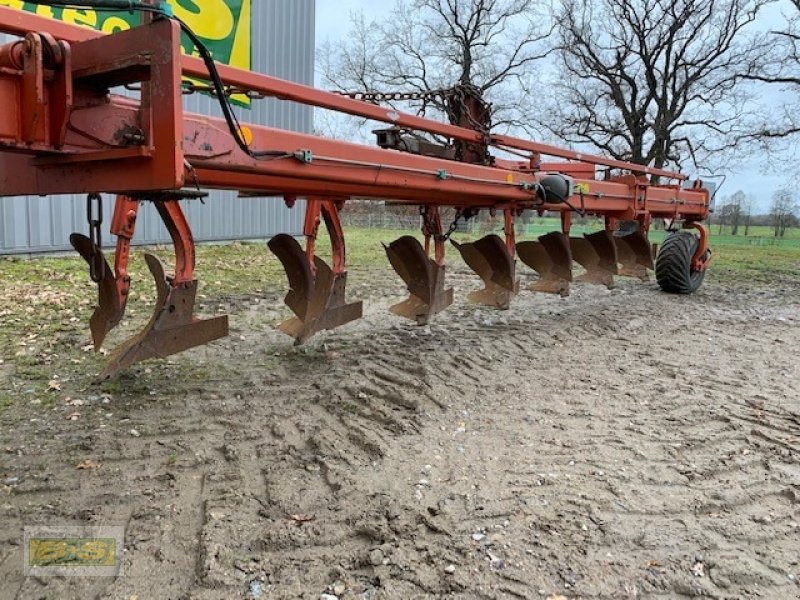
x=564, y=446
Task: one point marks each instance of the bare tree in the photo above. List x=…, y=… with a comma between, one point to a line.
x=719, y=215
x=748, y=214
x=737, y=207
x=428, y=45
x=730, y=212
x=785, y=74
x=656, y=82
x=783, y=210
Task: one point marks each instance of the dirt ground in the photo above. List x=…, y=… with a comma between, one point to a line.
x=616, y=444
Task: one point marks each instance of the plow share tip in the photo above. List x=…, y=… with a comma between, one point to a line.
x=295, y=264
x=551, y=258
x=597, y=253
x=635, y=255
x=423, y=277
x=490, y=259
x=172, y=328
x=317, y=300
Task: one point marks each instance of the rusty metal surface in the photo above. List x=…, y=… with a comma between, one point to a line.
x=110, y=307
x=424, y=278
x=597, y=253
x=173, y=327
x=634, y=253
x=318, y=301
x=301, y=281
x=490, y=259
x=551, y=258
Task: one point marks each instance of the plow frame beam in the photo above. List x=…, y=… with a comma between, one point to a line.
x=148, y=156
x=333, y=168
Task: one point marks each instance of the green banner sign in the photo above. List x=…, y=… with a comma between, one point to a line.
x=223, y=25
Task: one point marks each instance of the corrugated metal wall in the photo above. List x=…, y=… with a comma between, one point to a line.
x=283, y=45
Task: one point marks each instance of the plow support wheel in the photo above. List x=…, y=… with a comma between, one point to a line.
x=551, y=258
x=635, y=255
x=424, y=278
x=316, y=292
x=492, y=262
x=597, y=253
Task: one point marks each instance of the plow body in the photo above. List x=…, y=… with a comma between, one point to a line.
x=67, y=132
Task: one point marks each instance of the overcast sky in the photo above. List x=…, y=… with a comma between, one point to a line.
x=333, y=22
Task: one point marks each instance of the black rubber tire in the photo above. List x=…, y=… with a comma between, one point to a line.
x=674, y=271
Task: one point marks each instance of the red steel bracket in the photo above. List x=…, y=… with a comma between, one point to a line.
x=702, y=256
x=178, y=228
x=123, y=225
x=318, y=209
x=432, y=230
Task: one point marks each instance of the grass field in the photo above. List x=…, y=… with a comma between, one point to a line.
x=61, y=283
x=739, y=260
x=45, y=303
x=758, y=258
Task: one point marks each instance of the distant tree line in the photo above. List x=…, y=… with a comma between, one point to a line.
x=736, y=213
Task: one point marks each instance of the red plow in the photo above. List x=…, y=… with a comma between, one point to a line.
x=64, y=130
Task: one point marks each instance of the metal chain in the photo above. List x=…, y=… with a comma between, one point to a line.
x=454, y=102
x=466, y=214
x=94, y=215
x=438, y=95
x=452, y=229
x=377, y=97
x=460, y=93
x=191, y=87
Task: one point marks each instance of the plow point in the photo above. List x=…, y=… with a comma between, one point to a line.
x=110, y=308
x=551, y=258
x=597, y=253
x=317, y=301
x=173, y=327
x=423, y=277
x=635, y=255
x=491, y=261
